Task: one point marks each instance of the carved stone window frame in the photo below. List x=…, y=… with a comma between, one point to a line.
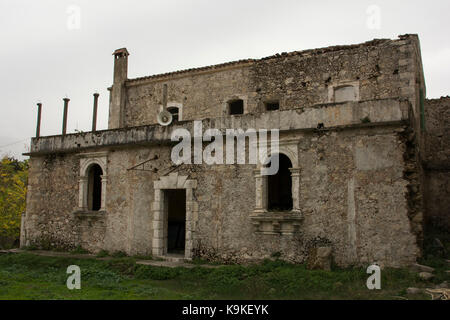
x=86, y=161
x=173, y=181
x=283, y=222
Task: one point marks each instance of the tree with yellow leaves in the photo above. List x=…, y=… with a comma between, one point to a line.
x=13, y=190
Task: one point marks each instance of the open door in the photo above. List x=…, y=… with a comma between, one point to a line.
x=176, y=221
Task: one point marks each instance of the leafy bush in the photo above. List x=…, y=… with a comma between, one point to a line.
x=13, y=190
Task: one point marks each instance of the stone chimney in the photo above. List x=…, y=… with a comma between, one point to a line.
x=117, y=91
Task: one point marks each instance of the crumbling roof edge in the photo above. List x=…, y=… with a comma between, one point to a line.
x=438, y=99
x=275, y=56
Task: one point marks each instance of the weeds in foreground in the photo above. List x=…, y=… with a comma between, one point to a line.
x=24, y=275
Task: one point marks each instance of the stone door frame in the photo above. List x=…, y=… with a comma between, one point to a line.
x=173, y=181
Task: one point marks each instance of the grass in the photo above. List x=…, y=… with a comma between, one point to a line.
x=102, y=254
x=79, y=250
x=29, y=276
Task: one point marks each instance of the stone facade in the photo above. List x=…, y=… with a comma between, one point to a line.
x=437, y=161
x=349, y=120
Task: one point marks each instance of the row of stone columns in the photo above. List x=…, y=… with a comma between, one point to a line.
x=65, y=112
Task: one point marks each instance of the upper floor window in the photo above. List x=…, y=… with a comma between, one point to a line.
x=175, y=111
x=236, y=107
x=272, y=105
x=95, y=174
x=92, y=181
x=280, y=186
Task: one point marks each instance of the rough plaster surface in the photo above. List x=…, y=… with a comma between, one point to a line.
x=437, y=161
x=361, y=212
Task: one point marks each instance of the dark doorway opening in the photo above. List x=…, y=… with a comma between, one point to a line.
x=280, y=186
x=176, y=221
x=95, y=187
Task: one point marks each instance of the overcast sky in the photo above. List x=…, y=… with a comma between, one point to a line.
x=47, y=53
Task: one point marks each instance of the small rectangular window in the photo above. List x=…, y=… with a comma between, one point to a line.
x=236, y=107
x=175, y=113
x=272, y=105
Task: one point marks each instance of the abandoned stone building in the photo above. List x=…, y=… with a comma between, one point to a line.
x=351, y=123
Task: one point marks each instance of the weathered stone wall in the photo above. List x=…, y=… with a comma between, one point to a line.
x=51, y=198
x=437, y=161
x=202, y=96
x=352, y=196
x=380, y=68
x=360, y=189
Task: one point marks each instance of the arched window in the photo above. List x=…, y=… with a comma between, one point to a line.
x=280, y=186
x=92, y=182
x=94, y=193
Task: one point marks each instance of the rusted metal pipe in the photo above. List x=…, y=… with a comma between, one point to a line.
x=66, y=106
x=38, y=125
x=164, y=96
x=94, y=115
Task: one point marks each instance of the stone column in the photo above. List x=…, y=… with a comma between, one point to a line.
x=103, y=198
x=82, y=194
x=23, y=236
x=190, y=237
x=191, y=218
x=158, y=224
x=189, y=230
x=295, y=174
x=260, y=191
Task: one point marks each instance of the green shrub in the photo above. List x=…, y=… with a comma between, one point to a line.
x=79, y=250
x=156, y=273
x=119, y=254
